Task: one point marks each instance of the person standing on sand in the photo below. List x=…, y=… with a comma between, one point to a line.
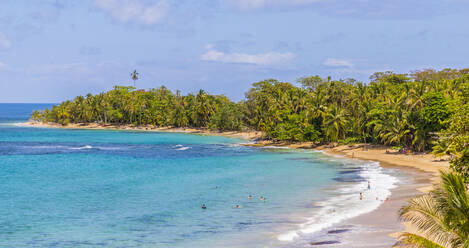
x=369, y=186
x=361, y=196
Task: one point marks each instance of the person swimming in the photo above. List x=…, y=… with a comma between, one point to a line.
x=203, y=206
x=237, y=206
x=250, y=197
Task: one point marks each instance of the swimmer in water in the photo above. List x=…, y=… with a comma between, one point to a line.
x=237, y=206
x=250, y=197
x=261, y=198
x=203, y=206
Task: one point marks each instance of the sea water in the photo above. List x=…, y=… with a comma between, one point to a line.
x=99, y=188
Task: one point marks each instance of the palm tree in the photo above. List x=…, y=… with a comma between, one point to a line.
x=441, y=217
x=335, y=123
x=134, y=76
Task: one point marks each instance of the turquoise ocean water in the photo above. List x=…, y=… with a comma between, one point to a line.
x=94, y=188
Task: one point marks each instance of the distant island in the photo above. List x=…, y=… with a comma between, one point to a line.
x=420, y=112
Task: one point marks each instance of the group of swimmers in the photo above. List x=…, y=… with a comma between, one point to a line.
x=262, y=198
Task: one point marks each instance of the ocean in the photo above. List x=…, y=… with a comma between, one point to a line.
x=99, y=188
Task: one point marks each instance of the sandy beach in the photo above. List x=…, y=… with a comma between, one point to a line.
x=378, y=228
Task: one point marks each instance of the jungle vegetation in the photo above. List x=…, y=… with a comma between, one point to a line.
x=422, y=111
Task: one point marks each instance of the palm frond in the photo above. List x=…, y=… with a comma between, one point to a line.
x=410, y=240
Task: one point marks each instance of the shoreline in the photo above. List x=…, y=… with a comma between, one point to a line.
x=423, y=167
x=246, y=135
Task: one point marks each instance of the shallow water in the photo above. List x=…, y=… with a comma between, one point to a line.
x=97, y=188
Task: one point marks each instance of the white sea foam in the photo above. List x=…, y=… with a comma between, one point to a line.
x=183, y=148
x=110, y=148
x=347, y=203
x=275, y=147
x=82, y=148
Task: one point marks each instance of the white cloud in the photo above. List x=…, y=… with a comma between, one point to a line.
x=257, y=4
x=133, y=10
x=2, y=65
x=337, y=63
x=269, y=58
x=4, y=42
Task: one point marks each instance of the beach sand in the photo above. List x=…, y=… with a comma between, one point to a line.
x=381, y=227
x=378, y=228
x=385, y=155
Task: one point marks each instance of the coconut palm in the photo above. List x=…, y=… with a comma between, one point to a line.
x=335, y=123
x=134, y=76
x=441, y=218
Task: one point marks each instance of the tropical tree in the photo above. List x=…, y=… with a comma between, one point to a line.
x=335, y=123
x=441, y=218
x=134, y=76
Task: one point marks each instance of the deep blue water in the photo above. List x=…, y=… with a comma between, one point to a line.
x=95, y=188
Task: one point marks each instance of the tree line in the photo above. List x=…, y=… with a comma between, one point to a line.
x=419, y=111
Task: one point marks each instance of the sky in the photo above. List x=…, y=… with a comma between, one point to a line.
x=54, y=50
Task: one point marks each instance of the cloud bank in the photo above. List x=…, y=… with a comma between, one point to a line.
x=257, y=4
x=135, y=11
x=388, y=9
x=269, y=58
x=337, y=63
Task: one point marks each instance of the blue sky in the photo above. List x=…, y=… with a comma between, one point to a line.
x=53, y=50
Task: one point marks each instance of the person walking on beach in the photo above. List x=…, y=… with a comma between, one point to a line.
x=361, y=196
x=369, y=186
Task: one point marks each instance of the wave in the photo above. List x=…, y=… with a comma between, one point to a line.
x=274, y=147
x=183, y=148
x=347, y=203
x=81, y=148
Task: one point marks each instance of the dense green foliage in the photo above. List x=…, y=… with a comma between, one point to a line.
x=441, y=217
x=407, y=110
